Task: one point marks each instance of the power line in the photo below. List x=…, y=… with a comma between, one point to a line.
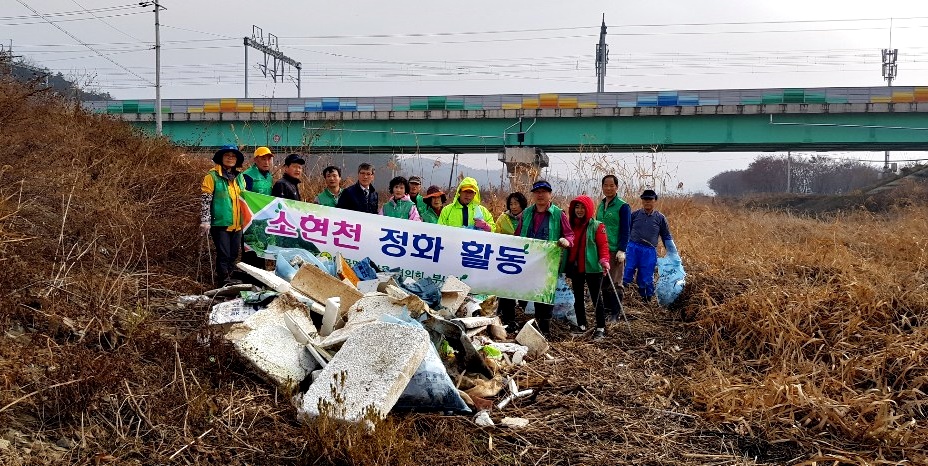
x=107, y=22
x=23, y=3
x=72, y=19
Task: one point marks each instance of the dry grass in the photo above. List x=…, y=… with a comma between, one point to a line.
x=806, y=338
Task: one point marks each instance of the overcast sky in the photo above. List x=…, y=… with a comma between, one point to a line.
x=401, y=47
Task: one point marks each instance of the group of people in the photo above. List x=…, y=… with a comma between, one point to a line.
x=607, y=246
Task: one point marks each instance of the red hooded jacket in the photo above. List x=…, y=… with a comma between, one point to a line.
x=579, y=226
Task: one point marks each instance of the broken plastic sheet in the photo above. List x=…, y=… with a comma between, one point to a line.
x=564, y=301
x=430, y=389
x=671, y=280
x=365, y=269
x=289, y=261
x=424, y=288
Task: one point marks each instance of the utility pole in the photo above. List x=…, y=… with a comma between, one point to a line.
x=268, y=45
x=890, y=70
x=158, y=116
x=789, y=159
x=602, y=57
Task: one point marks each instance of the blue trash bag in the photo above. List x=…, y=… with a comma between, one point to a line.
x=671, y=280
x=430, y=388
x=425, y=288
x=285, y=256
x=365, y=269
x=564, y=301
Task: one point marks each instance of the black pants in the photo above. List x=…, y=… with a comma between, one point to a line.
x=251, y=258
x=507, y=312
x=593, y=281
x=227, y=245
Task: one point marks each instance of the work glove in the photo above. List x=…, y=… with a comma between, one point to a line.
x=671, y=247
x=620, y=256
x=563, y=243
x=605, y=265
x=204, y=229
x=481, y=225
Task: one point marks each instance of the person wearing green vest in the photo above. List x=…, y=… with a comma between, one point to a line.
x=465, y=210
x=506, y=222
x=415, y=185
x=258, y=179
x=616, y=214
x=588, y=263
x=220, y=212
x=333, y=187
x=399, y=205
x=545, y=221
x=435, y=199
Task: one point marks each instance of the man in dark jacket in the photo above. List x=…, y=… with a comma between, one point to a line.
x=288, y=186
x=361, y=196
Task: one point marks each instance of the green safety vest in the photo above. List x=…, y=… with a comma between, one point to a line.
x=400, y=209
x=260, y=183
x=612, y=219
x=420, y=205
x=591, y=253
x=429, y=216
x=328, y=199
x=221, y=208
x=554, y=227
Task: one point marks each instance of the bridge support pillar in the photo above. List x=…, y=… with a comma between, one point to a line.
x=523, y=165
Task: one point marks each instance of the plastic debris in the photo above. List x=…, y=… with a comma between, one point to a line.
x=483, y=419
x=320, y=286
x=671, y=280
x=514, y=422
x=533, y=339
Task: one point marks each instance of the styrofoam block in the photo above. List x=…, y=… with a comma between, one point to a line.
x=533, y=339
x=369, y=372
x=366, y=310
x=453, y=293
x=320, y=286
x=278, y=357
x=332, y=306
x=474, y=322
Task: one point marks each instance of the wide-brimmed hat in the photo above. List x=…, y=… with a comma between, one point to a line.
x=435, y=191
x=239, y=158
x=649, y=194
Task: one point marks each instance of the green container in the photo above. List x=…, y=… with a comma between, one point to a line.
x=437, y=100
x=473, y=107
x=131, y=106
x=455, y=105
x=794, y=96
x=772, y=99
x=114, y=109
x=419, y=105
x=401, y=108
x=815, y=98
x=146, y=109
x=836, y=100
x=166, y=110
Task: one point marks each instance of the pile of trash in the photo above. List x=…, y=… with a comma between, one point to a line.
x=353, y=344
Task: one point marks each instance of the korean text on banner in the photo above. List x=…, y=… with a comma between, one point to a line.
x=506, y=266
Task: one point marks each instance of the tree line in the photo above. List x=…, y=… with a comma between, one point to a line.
x=813, y=175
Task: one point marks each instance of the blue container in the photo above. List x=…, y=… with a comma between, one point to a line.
x=313, y=106
x=330, y=99
x=628, y=104
x=329, y=106
x=294, y=108
x=647, y=101
x=365, y=108
x=666, y=101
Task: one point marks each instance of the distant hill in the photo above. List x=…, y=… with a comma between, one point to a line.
x=61, y=85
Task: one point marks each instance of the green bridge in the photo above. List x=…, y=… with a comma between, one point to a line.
x=824, y=119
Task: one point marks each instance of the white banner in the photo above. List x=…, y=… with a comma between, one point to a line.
x=490, y=263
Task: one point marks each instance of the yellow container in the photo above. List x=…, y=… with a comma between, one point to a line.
x=921, y=94
x=211, y=107
x=194, y=109
x=227, y=105
x=530, y=103
x=588, y=105
x=567, y=102
x=903, y=97
x=262, y=109
x=245, y=107
x=511, y=106
x=880, y=99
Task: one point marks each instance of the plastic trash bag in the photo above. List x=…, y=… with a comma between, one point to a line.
x=672, y=279
x=425, y=288
x=365, y=269
x=430, y=388
x=289, y=261
x=564, y=301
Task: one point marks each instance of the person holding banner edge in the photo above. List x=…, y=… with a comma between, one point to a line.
x=288, y=186
x=258, y=179
x=220, y=212
x=545, y=221
x=435, y=199
x=588, y=263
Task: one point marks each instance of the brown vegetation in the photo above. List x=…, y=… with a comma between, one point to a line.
x=806, y=338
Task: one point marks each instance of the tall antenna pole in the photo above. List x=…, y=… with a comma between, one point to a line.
x=158, y=115
x=602, y=57
x=890, y=70
x=268, y=45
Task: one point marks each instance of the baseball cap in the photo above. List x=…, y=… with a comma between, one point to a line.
x=541, y=184
x=262, y=151
x=649, y=194
x=294, y=158
x=415, y=180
